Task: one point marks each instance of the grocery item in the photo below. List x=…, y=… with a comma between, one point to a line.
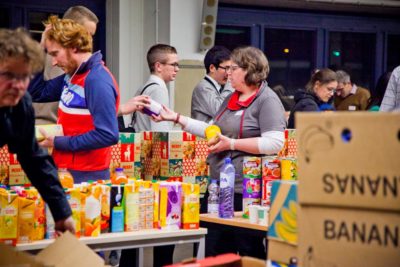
x=212, y=131
x=226, y=193
x=213, y=198
x=119, y=177
x=66, y=179
x=191, y=206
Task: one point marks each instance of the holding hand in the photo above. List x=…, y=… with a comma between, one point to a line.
x=136, y=103
x=166, y=114
x=63, y=225
x=219, y=144
x=48, y=140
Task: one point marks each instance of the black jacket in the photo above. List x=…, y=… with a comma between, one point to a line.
x=18, y=132
x=304, y=101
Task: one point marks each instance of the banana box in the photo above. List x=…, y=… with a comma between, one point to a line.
x=191, y=206
x=283, y=212
x=50, y=129
x=9, y=218
x=131, y=207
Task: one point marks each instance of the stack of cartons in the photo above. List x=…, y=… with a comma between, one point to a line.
x=146, y=155
x=11, y=172
x=349, y=189
x=130, y=153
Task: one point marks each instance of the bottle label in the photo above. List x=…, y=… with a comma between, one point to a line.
x=212, y=208
x=226, y=180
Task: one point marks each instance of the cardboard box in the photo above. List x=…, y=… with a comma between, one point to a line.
x=363, y=172
x=348, y=237
x=224, y=260
x=282, y=252
x=78, y=255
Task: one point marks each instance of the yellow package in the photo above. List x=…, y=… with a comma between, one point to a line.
x=84, y=192
x=9, y=218
x=131, y=207
x=93, y=212
x=50, y=129
x=26, y=220
x=156, y=216
x=74, y=200
x=191, y=206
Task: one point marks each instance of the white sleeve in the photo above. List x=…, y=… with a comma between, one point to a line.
x=195, y=127
x=271, y=142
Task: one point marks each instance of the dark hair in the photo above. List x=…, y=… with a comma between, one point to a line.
x=18, y=44
x=379, y=92
x=158, y=53
x=215, y=56
x=323, y=76
x=80, y=14
x=254, y=61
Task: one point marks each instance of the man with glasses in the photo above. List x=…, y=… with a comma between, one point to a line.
x=20, y=56
x=210, y=92
x=163, y=64
x=349, y=96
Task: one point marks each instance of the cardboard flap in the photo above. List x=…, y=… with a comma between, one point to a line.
x=10, y=257
x=349, y=159
x=69, y=251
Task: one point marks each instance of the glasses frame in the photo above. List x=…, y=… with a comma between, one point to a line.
x=175, y=65
x=14, y=77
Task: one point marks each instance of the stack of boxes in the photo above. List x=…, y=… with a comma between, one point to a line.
x=349, y=189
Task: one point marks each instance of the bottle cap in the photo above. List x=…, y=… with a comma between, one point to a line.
x=228, y=160
x=119, y=169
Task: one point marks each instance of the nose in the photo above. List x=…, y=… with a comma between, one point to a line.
x=53, y=61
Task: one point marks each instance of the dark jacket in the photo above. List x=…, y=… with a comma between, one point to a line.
x=304, y=101
x=18, y=132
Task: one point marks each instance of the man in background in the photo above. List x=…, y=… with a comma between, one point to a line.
x=210, y=92
x=349, y=96
x=20, y=57
x=89, y=100
x=46, y=113
x=391, y=100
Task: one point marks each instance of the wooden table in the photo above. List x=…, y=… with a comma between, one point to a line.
x=237, y=221
x=138, y=239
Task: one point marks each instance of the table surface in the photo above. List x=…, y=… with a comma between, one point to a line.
x=237, y=221
x=153, y=235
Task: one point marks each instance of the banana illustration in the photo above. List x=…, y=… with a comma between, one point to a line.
x=289, y=218
x=286, y=233
x=293, y=207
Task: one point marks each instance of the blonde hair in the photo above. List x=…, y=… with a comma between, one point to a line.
x=69, y=34
x=18, y=44
x=80, y=14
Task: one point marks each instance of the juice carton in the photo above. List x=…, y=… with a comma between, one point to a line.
x=156, y=205
x=191, y=206
x=84, y=190
x=26, y=220
x=271, y=171
x=50, y=232
x=93, y=211
x=131, y=206
x=105, y=208
x=251, y=183
x=74, y=199
x=9, y=218
x=289, y=169
x=40, y=214
x=116, y=208
x=146, y=206
x=170, y=205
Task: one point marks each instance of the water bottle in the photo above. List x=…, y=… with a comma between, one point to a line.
x=212, y=203
x=226, y=192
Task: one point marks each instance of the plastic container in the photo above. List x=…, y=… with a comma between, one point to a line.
x=119, y=177
x=226, y=192
x=66, y=179
x=154, y=109
x=213, y=200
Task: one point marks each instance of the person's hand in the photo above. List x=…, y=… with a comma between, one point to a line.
x=48, y=141
x=166, y=114
x=63, y=225
x=136, y=103
x=218, y=144
x=43, y=39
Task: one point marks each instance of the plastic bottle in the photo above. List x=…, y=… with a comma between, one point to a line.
x=119, y=177
x=66, y=179
x=213, y=201
x=226, y=192
x=154, y=108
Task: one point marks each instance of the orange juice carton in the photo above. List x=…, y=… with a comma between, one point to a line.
x=26, y=220
x=50, y=129
x=105, y=208
x=9, y=218
x=65, y=177
x=289, y=169
x=50, y=231
x=251, y=183
x=156, y=205
x=84, y=190
x=40, y=214
x=271, y=171
x=131, y=206
x=93, y=211
x=191, y=206
x=170, y=205
x=116, y=208
x=74, y=199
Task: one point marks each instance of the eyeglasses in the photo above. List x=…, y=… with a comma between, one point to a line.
x=12, y=76
x=175, y=65
x=230, y=68
x=225, y=68
x=331, y=90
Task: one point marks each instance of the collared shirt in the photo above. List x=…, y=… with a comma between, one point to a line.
x=391, y=100
x=214, y=82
